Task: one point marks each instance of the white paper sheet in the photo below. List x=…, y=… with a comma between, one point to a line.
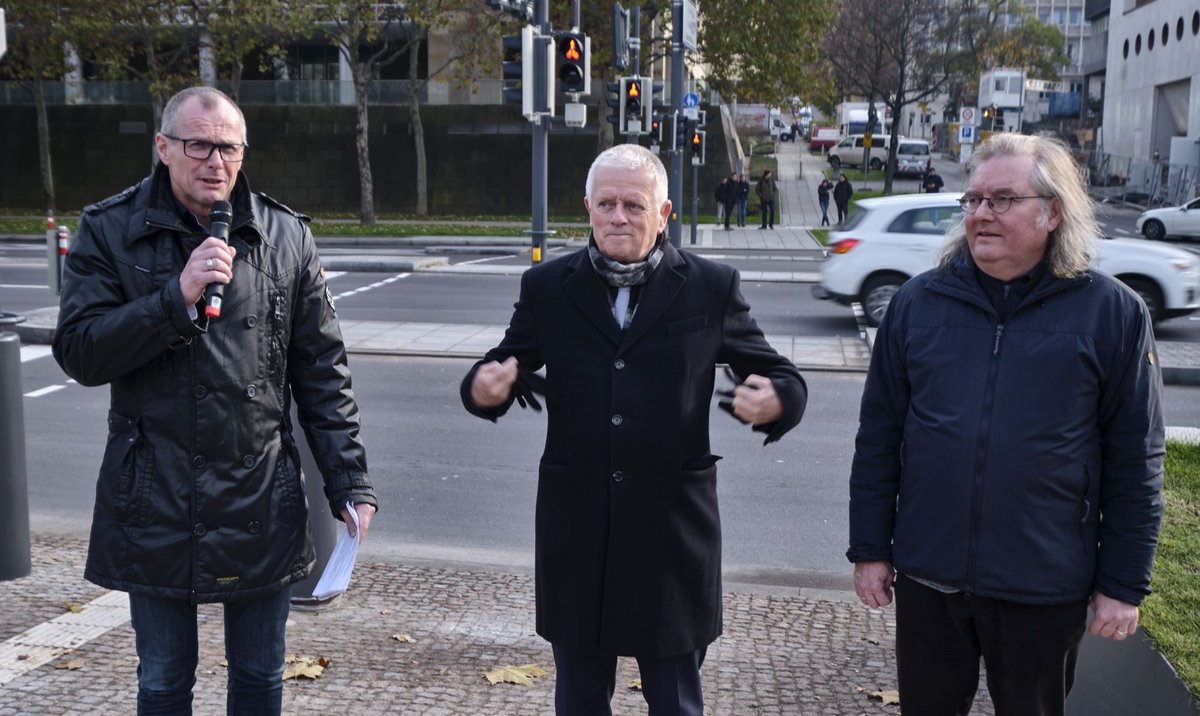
x=336, y=577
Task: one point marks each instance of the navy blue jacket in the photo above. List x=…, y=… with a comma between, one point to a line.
x=1020, y=461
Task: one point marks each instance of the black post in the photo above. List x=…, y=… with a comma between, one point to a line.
x=15, y=560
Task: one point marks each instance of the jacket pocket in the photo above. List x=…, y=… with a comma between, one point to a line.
x=688, y=325
x=289, y=487
x=128, y=468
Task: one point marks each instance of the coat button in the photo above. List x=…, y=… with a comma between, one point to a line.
x=619, y=364
x=618, y=476
x=199, y=462
x=251, y=321
x=251, y=391
x=199, y=391
x=254, y=527
x=199, y=530
x=617, y=420
x=248, y=462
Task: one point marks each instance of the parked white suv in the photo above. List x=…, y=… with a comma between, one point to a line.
x=1171, y=221
x=888, y=240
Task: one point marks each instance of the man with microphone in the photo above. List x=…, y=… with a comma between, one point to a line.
x=203, y=306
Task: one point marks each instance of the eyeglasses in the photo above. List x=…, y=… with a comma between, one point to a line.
x=608, y=206
x=998, y=204
x=201, y=149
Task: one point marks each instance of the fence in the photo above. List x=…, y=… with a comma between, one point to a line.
x=1143, y=182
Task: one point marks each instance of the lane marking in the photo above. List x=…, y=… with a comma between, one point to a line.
x=44, y=391
x=368, y=287
x=29, y=353
x=49, y=640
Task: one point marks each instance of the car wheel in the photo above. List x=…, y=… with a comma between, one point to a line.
x=1153, y=230
x=835, y=162
x=1150, y=294
x=876, y=164
x=877, y=294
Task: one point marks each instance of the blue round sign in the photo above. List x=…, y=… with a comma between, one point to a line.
x=691, y=99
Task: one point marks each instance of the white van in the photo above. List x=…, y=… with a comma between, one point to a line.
x=849, y=151
x=913, y=156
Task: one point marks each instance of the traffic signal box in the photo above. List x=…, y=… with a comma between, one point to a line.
x=631, y=105
x=574, y=63
x=698, y=147
x=517, y=70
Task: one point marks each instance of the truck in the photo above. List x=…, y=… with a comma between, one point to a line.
x=853, y=116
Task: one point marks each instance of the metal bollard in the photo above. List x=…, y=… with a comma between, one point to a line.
x=15, y=561
x=321, y=523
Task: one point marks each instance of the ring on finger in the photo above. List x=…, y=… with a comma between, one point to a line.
x=1122, y=633
x=208, y=263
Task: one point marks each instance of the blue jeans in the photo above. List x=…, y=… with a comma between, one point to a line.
x=168, y=651
x=741, y=216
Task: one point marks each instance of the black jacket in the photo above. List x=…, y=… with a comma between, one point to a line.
x=842, y=191
x=1021, y=461
x=628, y=535
x=199, y=495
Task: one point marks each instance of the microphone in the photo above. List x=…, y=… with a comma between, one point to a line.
x=220, y=217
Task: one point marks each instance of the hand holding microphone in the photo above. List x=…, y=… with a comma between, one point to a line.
x=220, y=217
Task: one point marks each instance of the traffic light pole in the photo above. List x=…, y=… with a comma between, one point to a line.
x=541, y=137
x=675, y=171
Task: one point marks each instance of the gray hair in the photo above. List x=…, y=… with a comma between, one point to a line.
x=632, y=156
x=209, y=97
x=1072, y=245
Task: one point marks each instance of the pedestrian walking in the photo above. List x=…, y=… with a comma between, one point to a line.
x=767, y=190
x=842, y=192
x=200, y=497
x=629, y=329
x=932, y=183
x=732, y=189
x=823, y=190
x=1009, y=458
x=743, y=185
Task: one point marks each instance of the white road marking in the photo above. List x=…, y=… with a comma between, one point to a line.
x=368, y=287
x=50, y=640
x=29, y=353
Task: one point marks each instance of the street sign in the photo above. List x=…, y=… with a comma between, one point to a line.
x=966, y=134
x=689, y=24
x=3, y=34
x=691, y=99
x=968, y=115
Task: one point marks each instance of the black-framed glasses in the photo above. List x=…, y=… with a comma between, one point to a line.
x=998, y=204
x=203, y=149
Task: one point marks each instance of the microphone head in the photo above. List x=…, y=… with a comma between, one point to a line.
x=222, y=211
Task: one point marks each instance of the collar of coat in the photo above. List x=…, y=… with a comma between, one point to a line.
x=588, y=291
x=155, y=210
x=960, y=281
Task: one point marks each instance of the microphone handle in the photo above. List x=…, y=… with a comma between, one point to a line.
x=214, y=293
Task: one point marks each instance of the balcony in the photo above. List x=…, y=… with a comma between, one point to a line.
x=1094, y=54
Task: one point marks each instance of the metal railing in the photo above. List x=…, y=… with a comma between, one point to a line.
x=1141, y=182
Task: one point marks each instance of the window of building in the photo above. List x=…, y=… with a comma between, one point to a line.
x=1075, y=15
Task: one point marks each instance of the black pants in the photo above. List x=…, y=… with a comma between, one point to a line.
x=584, y=684
x=1029, y=650
x=843, y=208
x=730, y=211
x=768, y=214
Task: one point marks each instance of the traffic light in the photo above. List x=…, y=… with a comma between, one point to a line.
x=683, y=130
x=517, y=70
x=631, y=105
x=656, y=105
x=574, y=63
x=656, y=130
x=614, y=102
x=698, y=146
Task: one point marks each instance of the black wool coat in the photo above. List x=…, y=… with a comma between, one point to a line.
x=628, y=534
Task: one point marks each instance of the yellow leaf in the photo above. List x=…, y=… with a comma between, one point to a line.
x=304, y=667
x=73, y=607
x=404, y=638
x=70, y=664
x=887, y=696
x=635, y=685
x=520, y=675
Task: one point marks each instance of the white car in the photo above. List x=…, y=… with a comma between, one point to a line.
x=1171, y=221
x=888, y=240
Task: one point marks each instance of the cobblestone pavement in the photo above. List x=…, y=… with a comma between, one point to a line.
x=783, y=651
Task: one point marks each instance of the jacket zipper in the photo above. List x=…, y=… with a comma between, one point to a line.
x=981, y=446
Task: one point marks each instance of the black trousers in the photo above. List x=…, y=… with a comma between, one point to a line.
x=1029, y=650
x=584, y=684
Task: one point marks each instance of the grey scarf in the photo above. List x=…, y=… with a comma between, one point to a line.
x=620, y=275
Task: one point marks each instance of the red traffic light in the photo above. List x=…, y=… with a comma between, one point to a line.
x=634, y=91
x=695, y=140
x=571, y=49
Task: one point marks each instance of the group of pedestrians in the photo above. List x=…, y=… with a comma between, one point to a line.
x=1006, y=473
x=841, y=192
x=733, y=194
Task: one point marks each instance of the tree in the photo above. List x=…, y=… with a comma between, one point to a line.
x=892, y=51
x=33, y=61
x=764, y=51
x=370, y=35
x=995, y=33
x=236, y=29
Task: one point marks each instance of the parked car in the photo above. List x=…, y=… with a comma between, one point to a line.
x=913, y=156
x=822, y=138
x=849, y=152
x=1171, y=221
x=888, y=240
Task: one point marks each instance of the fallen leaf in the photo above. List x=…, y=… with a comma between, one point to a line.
x=635, y=685
x=70, y=664
x=887, y=696
x=385, y=611
x=404, y=638
x=73, y=607
x=304, y=667
x=22, y=657
x=520, y=675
